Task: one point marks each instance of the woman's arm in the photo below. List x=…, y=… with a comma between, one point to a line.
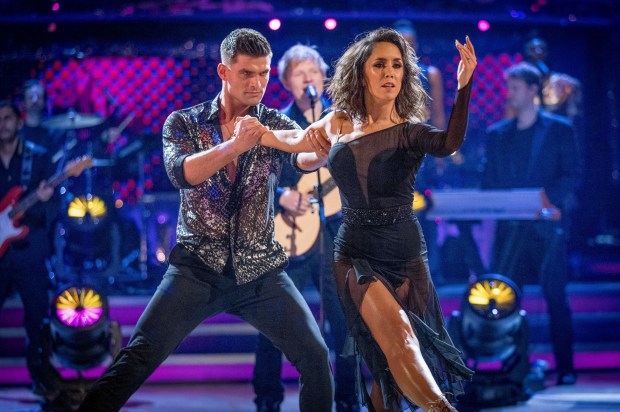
x=292, y=141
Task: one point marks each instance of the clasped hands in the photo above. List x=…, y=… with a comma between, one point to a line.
x=249, y=132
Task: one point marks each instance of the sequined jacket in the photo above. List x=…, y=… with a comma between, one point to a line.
x=220, y=219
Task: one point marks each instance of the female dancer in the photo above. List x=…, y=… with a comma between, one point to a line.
x=375, y=145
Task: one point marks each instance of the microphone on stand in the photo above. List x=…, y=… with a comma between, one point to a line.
x=312, y=94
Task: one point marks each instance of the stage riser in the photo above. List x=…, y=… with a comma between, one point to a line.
x=222, y=348
x=592, y=331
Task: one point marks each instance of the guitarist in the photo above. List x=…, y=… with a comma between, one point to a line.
x=22, y=265
x=299, y=67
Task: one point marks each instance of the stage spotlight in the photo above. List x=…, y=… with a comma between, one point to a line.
x=491, y=318
x=330, y=24
x=78, y=336
x=79, y=328
x=87, y=210
x=275, y=24
x=419, y=202
x=483, y=25
x=491, y=331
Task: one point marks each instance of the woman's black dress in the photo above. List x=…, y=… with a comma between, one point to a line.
x=380, y=240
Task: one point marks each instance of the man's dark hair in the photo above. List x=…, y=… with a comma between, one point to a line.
x=526, y=72
x=244, y=41
x=12, y=106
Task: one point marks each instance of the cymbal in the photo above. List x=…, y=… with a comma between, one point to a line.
x=72, y=120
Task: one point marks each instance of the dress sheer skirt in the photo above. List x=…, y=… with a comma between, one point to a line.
x=410, y=283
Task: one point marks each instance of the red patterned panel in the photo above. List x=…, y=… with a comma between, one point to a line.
x=489, y=93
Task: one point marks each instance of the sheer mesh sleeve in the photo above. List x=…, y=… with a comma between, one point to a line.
x=442, y=143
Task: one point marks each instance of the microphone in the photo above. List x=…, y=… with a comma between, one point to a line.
x=312, y=94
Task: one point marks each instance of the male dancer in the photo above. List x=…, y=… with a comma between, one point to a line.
x=226, y=259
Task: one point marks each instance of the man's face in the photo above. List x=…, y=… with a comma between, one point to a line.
x=9, y=125
x=520, y=94
x=301, y=73
x=34, y=98
x=245, y=80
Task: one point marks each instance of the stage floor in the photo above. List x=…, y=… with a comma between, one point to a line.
x=594, y=392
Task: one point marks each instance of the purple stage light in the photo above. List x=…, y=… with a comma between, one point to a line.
x=275, y=24
x=79, y=307
x=330, y=24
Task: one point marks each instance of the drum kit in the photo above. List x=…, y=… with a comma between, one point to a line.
x=91, y=238
x=72, y=120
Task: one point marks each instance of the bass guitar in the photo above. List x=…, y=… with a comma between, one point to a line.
x=11, y=211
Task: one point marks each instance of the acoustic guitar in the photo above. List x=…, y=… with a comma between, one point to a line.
x=299, y=234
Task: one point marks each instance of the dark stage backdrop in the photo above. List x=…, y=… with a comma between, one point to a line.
x=150, y=66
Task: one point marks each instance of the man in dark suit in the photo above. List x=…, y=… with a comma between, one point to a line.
x=536, y=149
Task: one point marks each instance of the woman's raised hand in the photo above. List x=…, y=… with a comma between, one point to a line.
x=468, y=62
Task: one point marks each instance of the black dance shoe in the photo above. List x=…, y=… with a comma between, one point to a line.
x=567, y=378
x=268, y=405
x=343, y=406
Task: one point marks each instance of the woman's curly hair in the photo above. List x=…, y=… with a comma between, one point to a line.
x=347, y=86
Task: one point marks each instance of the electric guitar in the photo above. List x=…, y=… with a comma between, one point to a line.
x=11, y=211
x=299, y=234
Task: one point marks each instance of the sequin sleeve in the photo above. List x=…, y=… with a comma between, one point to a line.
x=177, y=145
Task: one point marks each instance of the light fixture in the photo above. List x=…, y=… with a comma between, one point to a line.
x=78, y=336
x=79, y=328
x=491, y=318
x=492, y=333
x=79, y=307
x=419, y=202
x=87, y=210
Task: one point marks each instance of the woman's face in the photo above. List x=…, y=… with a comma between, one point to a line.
x=383, y=73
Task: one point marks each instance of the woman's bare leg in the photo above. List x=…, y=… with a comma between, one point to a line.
x=391, y=329
x=377, y=400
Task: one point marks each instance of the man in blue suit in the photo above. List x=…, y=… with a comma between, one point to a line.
x=536, y=149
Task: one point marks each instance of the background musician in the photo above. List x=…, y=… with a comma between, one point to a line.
x=536, y=149
x=23, y=260
x=299, y=67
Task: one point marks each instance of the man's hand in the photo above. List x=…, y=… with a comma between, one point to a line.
x=44, y=192
x=549, y=211
x=295, y=203
x=248, y=131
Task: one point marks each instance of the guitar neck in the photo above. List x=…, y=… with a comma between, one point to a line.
x=32, y=198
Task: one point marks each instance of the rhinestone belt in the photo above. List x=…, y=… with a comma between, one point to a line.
x=376, y=217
